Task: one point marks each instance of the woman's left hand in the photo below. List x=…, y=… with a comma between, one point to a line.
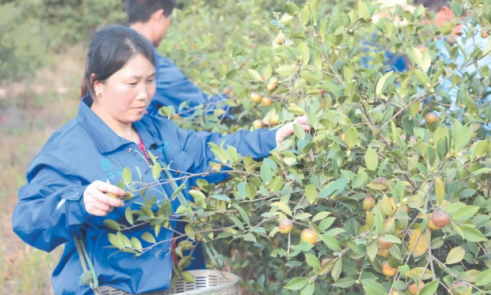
x=287, y=129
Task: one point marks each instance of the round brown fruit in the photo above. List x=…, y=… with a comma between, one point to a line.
x=384, y=244
x=341, y=136
x=280, y=40
x=266, y=101
x=484, y=34
x=431, y=118
x=272, y=84
x=431, y=225
x=413, y=288
x=256, y=97
x=286, y=226
x=383, y=253
x=308, y=235
x=368, y=203
x=258, y=124
x=275, y=119
x=440, y=218
x=112, y=195
x=388, y=270
x=463, y=288
x=266, y=122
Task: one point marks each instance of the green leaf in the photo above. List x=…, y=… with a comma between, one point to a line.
x=360, y=179
x=326, y=223
x=285, y=70
x=330, y=242
x=251, y=191
x=221, y=197
x=430, y=288
x=127, y=176
x=136, y=244
x=455, y=255
x=465, y=213
x=422, y=77
x=112, y=224
x=255, y=75
x=351, y=137
x=337, y=268
x=243, y=214
x=372, y=250
x=320, y=215
x=371, y=159
x=344, y=283
x=456, y=9
x=187, y=277
x=156, y=170
x=199, y=198
x=113, y=239
x=484, y=278
x=276, y=184
x=250, y=238
x=310, y=193
x=379, y=221
x=291, y=9
x=308, y=290
x=148, y=238
x=298, y=131
x=363, y=10
x=283, y=207
x=304, y=51
x=439, y=190
x=381, y=83
x=313, y=261
x=297, y=283
x=129, y=215
x=472, y=235
x=390, y=238
x=414, y=108
x=301, y=216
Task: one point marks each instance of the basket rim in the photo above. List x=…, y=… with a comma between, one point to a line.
x=215, y=288
x=204, y=272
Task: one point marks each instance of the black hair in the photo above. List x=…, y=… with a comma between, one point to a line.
x=434, y=5
x=142, y=10
x=110, y=50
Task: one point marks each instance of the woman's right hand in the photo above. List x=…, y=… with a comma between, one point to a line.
x=97, y=202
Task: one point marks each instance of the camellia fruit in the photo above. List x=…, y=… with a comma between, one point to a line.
x=431, y=118
x=286, y=226
x=256, y=97
x=280, y=40
x=384, y=244
x=461, y=288
x=431, y=225
x=272, y=84
x=266, y=101
x=368, y=203
x=383, y=253
x=258, y=124
x=440, y=218
x=388, y=270
x=308, y=235
x=341, y=136
x=266, y=122
x=112, y=195
x=484, y=34
x=275, y=119
x=413, y=288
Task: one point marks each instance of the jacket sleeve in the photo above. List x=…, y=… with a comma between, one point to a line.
x=257, y=144
x=50, y=210
x=173, y=88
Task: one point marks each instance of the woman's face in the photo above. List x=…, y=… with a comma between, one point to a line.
x=126, y=94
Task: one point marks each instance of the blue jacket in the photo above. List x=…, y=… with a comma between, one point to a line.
x=51, y=211
x=174, y=88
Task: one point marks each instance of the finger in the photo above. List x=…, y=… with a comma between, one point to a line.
x=101, y=206
x=97, y=212
x=105, y=199
x=108, y=188
x=301, y=120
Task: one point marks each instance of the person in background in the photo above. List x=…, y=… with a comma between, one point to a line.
x=67, y=197
x=152, y=19
x=467, y=37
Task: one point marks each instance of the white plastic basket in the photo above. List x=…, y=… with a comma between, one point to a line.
x=208, y=282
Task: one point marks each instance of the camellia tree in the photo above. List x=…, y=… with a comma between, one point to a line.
x=389, y=191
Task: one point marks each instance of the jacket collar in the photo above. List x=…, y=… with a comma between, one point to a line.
x=105, y=139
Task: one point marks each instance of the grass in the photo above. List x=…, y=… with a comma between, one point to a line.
x=29, y=113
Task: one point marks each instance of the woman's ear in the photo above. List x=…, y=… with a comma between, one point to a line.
x=96, y=85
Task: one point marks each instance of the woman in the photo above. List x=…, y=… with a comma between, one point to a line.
x=65, y=197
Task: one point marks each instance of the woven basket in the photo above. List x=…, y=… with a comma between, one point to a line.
x=208, y=282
